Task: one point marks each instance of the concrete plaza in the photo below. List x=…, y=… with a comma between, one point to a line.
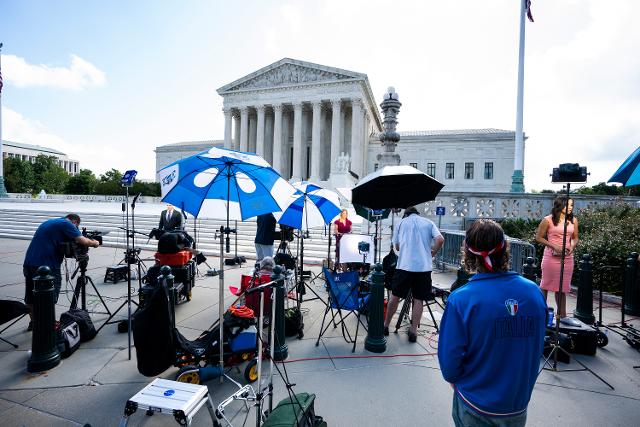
x=402, y=386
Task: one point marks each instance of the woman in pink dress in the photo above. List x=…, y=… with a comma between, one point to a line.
x=341, y=225
x=550, y=234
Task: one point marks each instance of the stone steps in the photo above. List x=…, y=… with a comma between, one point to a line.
x=22, y=224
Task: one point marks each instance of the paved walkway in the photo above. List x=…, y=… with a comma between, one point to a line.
x=402, y=387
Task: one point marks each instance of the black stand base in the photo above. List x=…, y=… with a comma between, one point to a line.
x=552, y=365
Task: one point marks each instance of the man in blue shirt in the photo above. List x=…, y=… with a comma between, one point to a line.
x=45, y=249
x=412, y=238
x=491, y=335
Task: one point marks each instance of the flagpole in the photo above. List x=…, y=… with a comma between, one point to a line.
x=517, y=180
x=3, y=190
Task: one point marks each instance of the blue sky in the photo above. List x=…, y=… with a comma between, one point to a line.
x=107, y=82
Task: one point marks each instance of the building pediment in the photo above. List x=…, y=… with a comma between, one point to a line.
x=289, y=72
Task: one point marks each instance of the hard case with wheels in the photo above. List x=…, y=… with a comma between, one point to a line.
x=584, y=339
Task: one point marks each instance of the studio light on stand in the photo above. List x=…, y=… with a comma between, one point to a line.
x=126, y=181
x=566, y=173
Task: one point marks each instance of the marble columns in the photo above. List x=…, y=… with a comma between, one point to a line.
x=277, y=137
x=260, y=131
x=244, y=128
x=336, y=132
x=315, y=142
x=227, y=128
x=297, y=142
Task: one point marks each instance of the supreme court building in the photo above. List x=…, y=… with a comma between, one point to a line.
x=321, y=124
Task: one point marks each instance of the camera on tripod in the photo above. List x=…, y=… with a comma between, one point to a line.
x=74, y=250
x=363, y=247
x=285, y=234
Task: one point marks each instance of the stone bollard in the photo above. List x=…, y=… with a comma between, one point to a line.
x=166, y=276
x=44, y=343
x=280, y=349
x=584, y=305
x=632, y=286
x=529, y=269
x=375, y=341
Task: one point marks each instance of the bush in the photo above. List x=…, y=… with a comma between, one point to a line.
x=607, y=234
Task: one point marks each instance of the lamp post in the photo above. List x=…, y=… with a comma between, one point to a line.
x=3, y=190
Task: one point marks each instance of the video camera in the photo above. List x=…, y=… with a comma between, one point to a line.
x=285, y=234
x=74, y=250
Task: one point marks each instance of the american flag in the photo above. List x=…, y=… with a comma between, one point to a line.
x=529, y=15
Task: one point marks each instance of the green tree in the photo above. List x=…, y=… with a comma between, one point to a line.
x=48, y=176
x=602, y=189
x=55, y=180
x=109, y=183
x=18, y=175
x=82, y=183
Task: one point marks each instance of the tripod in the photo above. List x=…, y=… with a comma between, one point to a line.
x=549, y=364
x=81, y=284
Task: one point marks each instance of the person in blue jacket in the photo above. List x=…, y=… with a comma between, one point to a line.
x=492, y=335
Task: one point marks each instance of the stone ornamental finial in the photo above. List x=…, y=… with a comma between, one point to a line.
x=389, y=137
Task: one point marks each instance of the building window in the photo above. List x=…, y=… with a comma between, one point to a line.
x=488, y=170
x=415, y=165
x=431, y=170
x=468, y=170
x=375, y=166
x=449, y=172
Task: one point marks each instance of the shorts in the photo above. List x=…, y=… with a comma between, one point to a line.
x=29, y=273
x=418, y=282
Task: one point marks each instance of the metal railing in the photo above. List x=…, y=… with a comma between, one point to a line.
x=451, y=253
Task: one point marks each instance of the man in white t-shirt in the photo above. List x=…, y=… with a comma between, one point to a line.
x=413, y=239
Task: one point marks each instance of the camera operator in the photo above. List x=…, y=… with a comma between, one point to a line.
x=45, y=249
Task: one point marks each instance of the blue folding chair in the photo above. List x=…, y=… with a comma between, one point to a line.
x=344, y=294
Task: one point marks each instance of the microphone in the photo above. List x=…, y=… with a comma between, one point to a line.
x=133, y=204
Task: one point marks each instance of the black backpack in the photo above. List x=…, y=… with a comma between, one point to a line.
x=389, y=263
x=82, y=318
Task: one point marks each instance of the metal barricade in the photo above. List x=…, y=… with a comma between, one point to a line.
x=451, y=253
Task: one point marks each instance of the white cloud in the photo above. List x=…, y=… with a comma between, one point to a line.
x=80, y=74
x=17, y=128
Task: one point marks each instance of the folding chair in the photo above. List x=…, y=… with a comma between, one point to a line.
x=344, y=294
x=11, y=310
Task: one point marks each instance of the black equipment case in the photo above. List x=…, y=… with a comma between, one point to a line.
x=584, y=338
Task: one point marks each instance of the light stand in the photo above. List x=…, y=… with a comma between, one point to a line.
x=555, y=340
x=126, y=181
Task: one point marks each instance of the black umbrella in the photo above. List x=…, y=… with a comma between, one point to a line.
x=395, y=187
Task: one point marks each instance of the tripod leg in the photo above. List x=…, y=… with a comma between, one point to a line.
x=104, y=304
x=406, y=306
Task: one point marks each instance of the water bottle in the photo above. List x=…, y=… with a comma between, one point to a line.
x=550, y=316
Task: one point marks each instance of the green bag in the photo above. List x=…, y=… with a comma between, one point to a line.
x=295, y=412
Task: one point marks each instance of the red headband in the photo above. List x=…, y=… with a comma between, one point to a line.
x=486, y=254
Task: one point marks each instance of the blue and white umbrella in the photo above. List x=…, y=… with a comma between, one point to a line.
x=222, y=183
x=628, y=174
x=310, y=206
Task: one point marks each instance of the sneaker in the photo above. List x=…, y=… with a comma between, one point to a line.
x=412, y=337
x=30, y=327
x=386, y=331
